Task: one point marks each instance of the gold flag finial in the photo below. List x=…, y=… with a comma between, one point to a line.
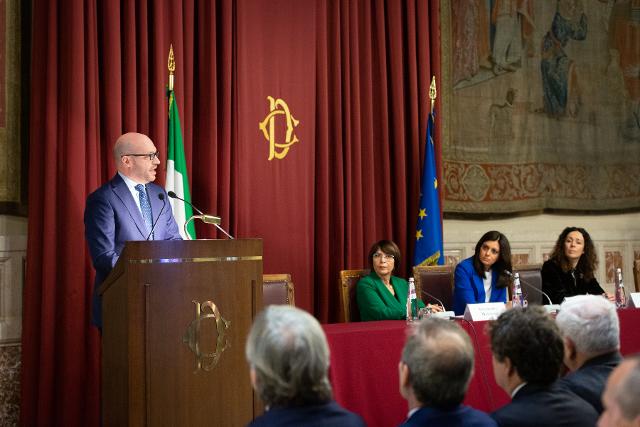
x=432, y=92
x=171, y=65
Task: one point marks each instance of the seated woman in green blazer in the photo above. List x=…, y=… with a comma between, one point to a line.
x=380, y=295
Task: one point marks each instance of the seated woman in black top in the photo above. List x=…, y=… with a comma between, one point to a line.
x=570, y=269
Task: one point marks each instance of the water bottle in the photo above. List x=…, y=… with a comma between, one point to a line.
x=621, y=299
x=516, y=295
x=412, y=303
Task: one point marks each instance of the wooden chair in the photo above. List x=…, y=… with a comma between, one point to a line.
x=436, y=281
x=348, y=281
x=636, y=274
x=530, y=277
x=277, y=289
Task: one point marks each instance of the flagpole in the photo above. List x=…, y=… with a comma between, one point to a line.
x=177, y=180
x=171, y=66
x=428, y=248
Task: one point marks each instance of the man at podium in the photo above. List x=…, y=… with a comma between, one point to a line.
x=128, y=207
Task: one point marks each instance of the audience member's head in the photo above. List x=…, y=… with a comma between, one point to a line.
x=289, y=357
x=436, y=365
x=526, y=346
x=621, y=398
x=590, y=327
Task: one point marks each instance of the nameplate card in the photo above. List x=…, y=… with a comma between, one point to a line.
x=634, y=300
x=484, y=311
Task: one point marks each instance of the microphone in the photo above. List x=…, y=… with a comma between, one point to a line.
x=153, y=226
x=444, y=314
x=207, y=219
x=433, y=297
x=510, y=274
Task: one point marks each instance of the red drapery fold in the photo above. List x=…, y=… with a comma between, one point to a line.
x=356, y=75
x=373, y=69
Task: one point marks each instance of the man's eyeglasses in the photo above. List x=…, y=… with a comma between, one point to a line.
x=384, y=257
x=151, y=156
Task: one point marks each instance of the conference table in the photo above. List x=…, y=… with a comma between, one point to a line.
x=365, y=356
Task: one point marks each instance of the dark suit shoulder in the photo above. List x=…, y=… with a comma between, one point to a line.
x=322, y=415
x=589, y=381
x=552, y=406
x=460, y=416
x=106, y=189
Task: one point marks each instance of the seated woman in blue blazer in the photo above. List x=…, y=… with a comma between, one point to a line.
x=482, y=277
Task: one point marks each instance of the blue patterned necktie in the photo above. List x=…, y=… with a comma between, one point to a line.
x=145, y=207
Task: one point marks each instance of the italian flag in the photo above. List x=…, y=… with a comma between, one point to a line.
x=177, y=179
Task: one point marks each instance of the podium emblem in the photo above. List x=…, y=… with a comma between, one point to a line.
x=200, y=337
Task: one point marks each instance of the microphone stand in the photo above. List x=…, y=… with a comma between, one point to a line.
x=444, y=313
x=549, y=307
x=153, y=226
x=433, y=297
x=207, y=219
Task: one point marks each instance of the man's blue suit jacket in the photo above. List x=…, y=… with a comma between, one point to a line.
x=554, y=405
x=459, y=416
x=469, y=287
x=111, y=218
x=328, y=414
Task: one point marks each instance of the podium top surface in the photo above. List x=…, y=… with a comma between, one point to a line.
x=183, y=251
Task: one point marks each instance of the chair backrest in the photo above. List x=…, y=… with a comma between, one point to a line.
x=435, y=281
x=277, y=289
x=530, y=277
x=636, y=274
x=348, y=281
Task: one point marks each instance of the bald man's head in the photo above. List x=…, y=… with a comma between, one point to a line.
x=439, y=363
x=621, y=397
x=135, y=156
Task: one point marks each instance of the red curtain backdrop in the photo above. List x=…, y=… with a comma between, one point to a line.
x=354, y=74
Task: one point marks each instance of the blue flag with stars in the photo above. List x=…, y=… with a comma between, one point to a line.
x=428, y=249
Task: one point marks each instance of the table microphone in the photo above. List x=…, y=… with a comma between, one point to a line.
x=444, y=313
x=153, y=226
x=510, y=274
x=433, y=297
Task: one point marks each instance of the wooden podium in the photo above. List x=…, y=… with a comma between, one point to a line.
x=176, y=315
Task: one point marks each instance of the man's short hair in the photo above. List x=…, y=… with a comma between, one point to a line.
x=289, y=353
x=532, y=342
x=627, y=395
x=440, y=360
x=591, y=322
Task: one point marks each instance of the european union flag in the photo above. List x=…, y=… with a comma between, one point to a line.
x=428, y=249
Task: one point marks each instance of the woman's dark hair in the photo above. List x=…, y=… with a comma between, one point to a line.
x=387, y=247
x=588, y=261
x=502, y=263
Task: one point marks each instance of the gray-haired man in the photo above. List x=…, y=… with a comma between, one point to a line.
x=289, y=359
x=591, y=333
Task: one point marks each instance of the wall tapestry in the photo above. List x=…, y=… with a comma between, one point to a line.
x=541, y=105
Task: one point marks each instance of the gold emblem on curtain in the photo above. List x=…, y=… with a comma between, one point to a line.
x=278, y=107
x=200, y=336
